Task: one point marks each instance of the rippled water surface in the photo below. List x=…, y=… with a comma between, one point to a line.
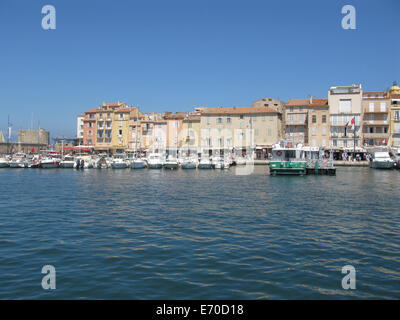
x=149, y=234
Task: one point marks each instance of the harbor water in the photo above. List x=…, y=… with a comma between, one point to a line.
x=199, y=234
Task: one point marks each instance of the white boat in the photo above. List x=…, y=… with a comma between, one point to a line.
x=49, y=163
x=381, y=160
x=189, y=163
x=101, y=163
x=240, y=161
x=4, y=163
x=120, y=162
x=205, y=163
x=67, y=162
x=154, y=161
x=18, y=161
x=171, y=163
x=138, y=164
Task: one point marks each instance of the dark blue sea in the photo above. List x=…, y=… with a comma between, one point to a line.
x=201, y=234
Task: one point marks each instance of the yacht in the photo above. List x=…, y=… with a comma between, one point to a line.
x=381, y=160
x=18, y=161
x=138, y=163
x=3, y=163
x=49, y=163
x=119, y=162
x=101, y=163
x=171, y=163
x=154, y=161
x=205, y=163
x=67, y=162
x=189, y=163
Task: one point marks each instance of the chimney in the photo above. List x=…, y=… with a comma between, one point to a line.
x=310, y=99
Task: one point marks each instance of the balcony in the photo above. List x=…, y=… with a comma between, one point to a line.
x=376, y=135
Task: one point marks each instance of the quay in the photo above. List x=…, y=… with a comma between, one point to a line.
x=336, y=163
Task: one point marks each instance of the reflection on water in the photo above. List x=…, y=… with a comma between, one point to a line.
x=193, y=234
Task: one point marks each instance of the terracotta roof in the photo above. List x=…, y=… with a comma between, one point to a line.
x=91, y=111
x=193, y=117
x=374, y=94
x=238, y=110
x=175, y=116
x=123, y=110
x=306, y=102
x=395, y=96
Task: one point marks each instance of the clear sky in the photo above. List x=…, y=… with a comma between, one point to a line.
x=172, y=55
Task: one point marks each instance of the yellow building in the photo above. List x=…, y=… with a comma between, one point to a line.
x=190, y=134
x=394, y=138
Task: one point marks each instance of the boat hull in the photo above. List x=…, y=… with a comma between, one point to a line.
x=288, y=168
x=155, y=165
x=138, y=165
x=205, y=166
x=67, y=165
x=382, y=165
x=119, y=165
x=4, y=165
x=173, y=165
x=189, y=165
x=16, y=165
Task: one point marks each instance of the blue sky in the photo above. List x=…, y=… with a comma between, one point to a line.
x=177, y=54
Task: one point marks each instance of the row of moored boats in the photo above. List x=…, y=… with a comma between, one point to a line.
x=121, y=161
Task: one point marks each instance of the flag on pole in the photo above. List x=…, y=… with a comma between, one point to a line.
x=353, y=123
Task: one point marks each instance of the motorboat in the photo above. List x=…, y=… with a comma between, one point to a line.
x=154, y=161
x=49, y=163
x=138, y=163
x=4, y=163
x=205, y=163
x=18, y=161
x=101, y=163
x=189, y=163
x=83, y=162
x=68, y=162
x=171, y=163
x=381, y=160
x=120, y=162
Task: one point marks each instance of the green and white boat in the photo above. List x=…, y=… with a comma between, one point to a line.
x=287, y=160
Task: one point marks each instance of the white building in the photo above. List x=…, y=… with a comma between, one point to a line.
x=345, y=102
x=79, y=128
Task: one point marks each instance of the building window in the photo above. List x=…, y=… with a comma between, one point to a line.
x=241, y=116
x=219, y=120
x=324, y=131
x=323, y=118
x=345, y=105
x=256, y=132
x=397, y=115
x=314, y=131
x=190, y=125
x=314, y=118
x=263, y=118
x=228, y=120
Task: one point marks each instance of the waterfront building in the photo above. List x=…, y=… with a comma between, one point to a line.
x=89, y=127
x=375, y=118
x=345, y=103
x=174, y=130
x=394, y=137
x=307, y=122
x=275, y=104
x=190, y=134
x=239, y=128
x=79, y=128
x=147, y=132
x=1, y=137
